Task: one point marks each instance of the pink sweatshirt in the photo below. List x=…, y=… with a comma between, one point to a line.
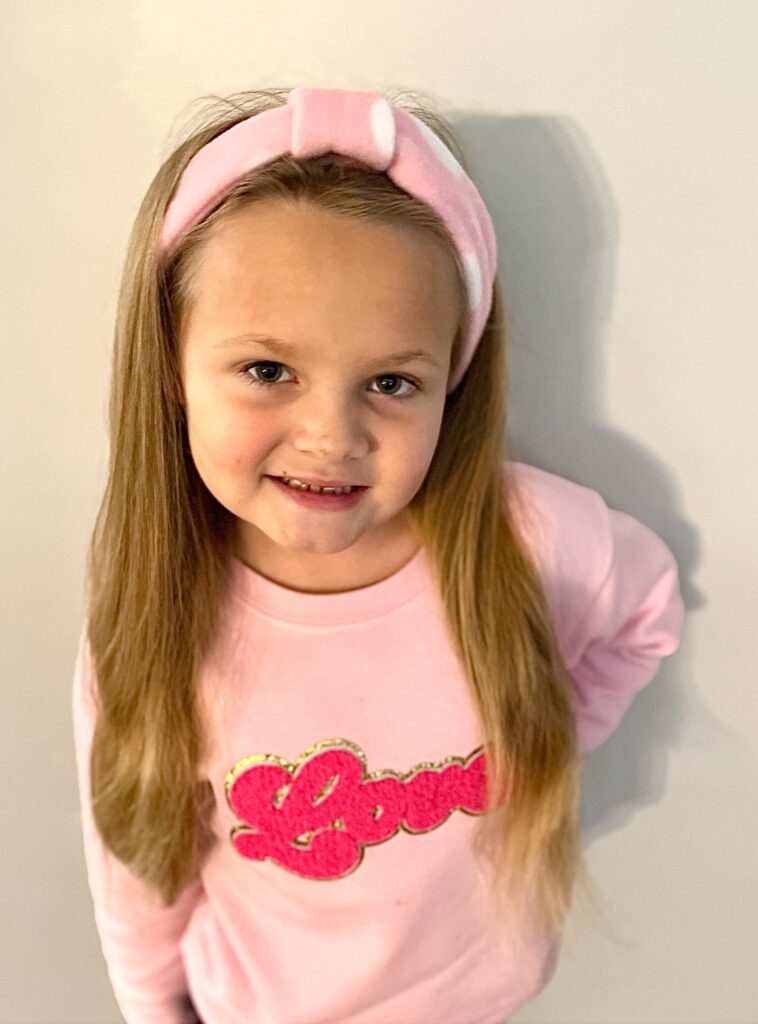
x=313, y=907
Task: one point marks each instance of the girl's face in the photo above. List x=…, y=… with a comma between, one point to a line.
x=341, y=299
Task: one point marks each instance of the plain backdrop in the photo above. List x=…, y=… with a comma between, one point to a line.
x=615, y=144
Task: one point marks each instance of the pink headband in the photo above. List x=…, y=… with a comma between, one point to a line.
x=364, y=125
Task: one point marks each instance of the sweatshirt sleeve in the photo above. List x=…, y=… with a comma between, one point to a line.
x=634, y=620
x=139, y=936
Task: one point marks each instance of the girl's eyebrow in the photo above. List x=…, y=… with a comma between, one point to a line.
x=284, y=348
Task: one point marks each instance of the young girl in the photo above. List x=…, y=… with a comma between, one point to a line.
x=329, y=738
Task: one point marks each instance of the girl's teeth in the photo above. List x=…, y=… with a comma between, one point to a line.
x=317, y=490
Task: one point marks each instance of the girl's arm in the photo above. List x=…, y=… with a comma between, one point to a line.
x=634, y=620
x=138, y=935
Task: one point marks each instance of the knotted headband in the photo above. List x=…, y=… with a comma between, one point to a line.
x=364, y=125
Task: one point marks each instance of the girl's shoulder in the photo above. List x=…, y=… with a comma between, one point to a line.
x=567, y=529
x=603, y=570
x=562, y=521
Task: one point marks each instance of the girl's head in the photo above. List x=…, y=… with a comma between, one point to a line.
x=337, y=393
x=346, y=269
x=318, y=316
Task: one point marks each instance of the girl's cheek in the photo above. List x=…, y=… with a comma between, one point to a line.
x=241, y=436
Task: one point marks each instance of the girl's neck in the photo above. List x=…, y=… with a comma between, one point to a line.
x=378, y=555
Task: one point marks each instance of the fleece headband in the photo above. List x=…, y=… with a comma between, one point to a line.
x=364, y=125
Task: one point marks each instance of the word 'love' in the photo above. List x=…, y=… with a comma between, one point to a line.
x=315, y=816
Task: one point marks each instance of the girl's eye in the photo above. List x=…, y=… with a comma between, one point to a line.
x=269, y=381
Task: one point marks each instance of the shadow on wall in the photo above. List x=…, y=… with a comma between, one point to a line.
x=557, y=228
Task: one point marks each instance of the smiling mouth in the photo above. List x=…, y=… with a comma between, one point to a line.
x=322, y=500
x=311, y=487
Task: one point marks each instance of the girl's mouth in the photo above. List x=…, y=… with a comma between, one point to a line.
x=324, y=502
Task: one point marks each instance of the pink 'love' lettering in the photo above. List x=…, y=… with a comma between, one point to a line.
x=315, y=816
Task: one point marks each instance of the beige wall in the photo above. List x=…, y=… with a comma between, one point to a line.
x=615, y=142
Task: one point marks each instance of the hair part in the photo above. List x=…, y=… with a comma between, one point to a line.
x=161, y=550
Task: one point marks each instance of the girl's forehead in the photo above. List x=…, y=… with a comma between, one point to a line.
x=303, y=255
x=299, y=272
x=272, y=227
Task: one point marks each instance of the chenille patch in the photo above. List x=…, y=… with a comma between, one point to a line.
x=315, y=817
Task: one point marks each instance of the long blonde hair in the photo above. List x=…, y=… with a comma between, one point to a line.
x=161, y=549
